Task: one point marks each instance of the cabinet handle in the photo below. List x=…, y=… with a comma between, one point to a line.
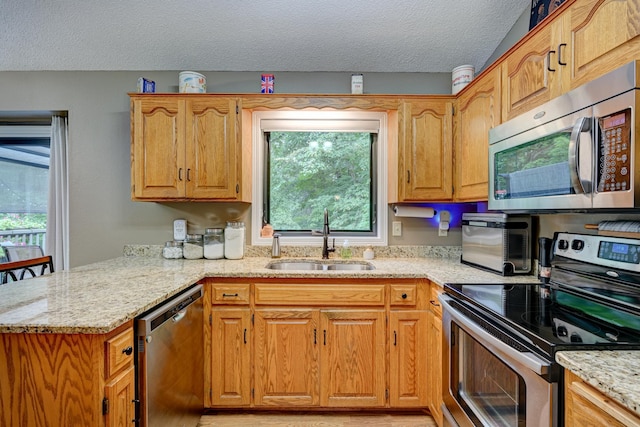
x=237, y=188
x=560, y=46
x=408, y=177
x=245, y=335
x=433, y=303
x=189, y=174
x=315, y=336
x=128, y=351
x=549, y=60
x=395, y=338
x=229, y=295
x=404, y=296
x=325, y=337
x=180, y=174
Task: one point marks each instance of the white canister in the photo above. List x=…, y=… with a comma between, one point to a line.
x=460, y=77
x=192, y=82
x=234, y=240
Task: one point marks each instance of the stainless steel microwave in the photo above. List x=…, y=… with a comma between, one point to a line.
x=576, y=152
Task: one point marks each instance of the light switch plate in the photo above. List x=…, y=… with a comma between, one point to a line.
x=396, y=229
x=179, y=229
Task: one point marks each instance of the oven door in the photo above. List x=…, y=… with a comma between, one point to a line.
x=491, y=383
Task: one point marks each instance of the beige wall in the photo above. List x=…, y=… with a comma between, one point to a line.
x=103, y=218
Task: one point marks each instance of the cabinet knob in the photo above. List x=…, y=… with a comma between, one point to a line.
x=128, y=351
x=404, y=296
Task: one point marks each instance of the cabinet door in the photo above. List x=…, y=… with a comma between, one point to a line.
x=436, y=366
x=158, y=150
x=287, y=357
x=353, y=358
x=120, y=394
x=425, y=140
x=408, y=363
x=231, y=363
x=605, y=35
x=212, y=154
x=531, y=74
x=586, y=406
x=478, y=111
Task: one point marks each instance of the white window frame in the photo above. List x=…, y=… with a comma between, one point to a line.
x=328, y=117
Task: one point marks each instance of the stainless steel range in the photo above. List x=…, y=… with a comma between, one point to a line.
x=502, y=339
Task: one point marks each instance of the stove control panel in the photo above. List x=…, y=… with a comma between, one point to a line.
x=615, y=252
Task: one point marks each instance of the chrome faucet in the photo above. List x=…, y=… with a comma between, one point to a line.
x=325, y=237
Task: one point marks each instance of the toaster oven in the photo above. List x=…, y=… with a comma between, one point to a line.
x=497, y=242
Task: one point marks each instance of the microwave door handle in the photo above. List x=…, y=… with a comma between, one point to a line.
x=579, y=184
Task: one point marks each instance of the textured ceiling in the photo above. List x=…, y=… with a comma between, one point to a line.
x=244, y=35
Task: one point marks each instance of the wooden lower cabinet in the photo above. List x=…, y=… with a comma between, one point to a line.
x=67, y=379
x=230, y=356
x=407, y=358
x=353, y=358
x=585, y=406
x=435, y=355
x=287, y=357
x=319, y=344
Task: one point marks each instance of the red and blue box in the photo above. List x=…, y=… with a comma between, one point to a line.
x=266, y=83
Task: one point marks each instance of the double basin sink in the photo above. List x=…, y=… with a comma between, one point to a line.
x=310, y=265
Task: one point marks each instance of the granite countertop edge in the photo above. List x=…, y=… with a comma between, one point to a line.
x=615, y=373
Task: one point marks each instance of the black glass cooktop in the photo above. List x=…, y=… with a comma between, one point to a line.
x=546, y=319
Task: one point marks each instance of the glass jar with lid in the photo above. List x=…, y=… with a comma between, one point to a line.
x=193, y=247
x=234, y=240
x=214, y=243
x=172, y=250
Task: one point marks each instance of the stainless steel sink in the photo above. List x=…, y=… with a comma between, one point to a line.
x=295, y=265
x=319, y=265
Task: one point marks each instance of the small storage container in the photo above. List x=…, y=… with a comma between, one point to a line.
x=214, y=243
x=193, y=247
x=234, y=240
x=172, y=250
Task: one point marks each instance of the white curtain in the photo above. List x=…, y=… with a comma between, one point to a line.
x=57, y=237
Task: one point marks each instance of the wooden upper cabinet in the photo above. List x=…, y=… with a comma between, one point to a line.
x=425, y=139
x=211, y=134
x=587, y=39
x=532, y=74
x=477, y=111
x=185, y=148
x=158, y=148
x=605, y=35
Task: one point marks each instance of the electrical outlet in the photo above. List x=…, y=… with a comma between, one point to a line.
x=396, y=229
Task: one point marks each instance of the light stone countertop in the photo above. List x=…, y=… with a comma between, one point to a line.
x=614, y=373
x=99, y=297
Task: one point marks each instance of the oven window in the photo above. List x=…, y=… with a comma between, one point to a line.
x=488, y=390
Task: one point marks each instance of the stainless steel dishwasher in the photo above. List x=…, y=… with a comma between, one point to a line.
x=170, y=362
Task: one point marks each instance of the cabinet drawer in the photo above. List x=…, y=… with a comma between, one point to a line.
x=404, y=295
x=119, y=352
x=230, y=294
x=342, y=295
x=433, y=299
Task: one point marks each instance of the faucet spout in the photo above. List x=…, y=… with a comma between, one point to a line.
x=325, y=237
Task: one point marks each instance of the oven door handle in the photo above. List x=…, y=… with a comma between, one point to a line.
x=527, y=359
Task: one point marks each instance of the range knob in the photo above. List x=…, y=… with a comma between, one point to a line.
x=577, y=245
x=562, y=331
x=563, y=244
x=575, y=337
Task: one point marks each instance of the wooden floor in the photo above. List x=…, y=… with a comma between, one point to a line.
x=279, y=419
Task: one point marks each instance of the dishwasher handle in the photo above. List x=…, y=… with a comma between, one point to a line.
x=179, y=316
